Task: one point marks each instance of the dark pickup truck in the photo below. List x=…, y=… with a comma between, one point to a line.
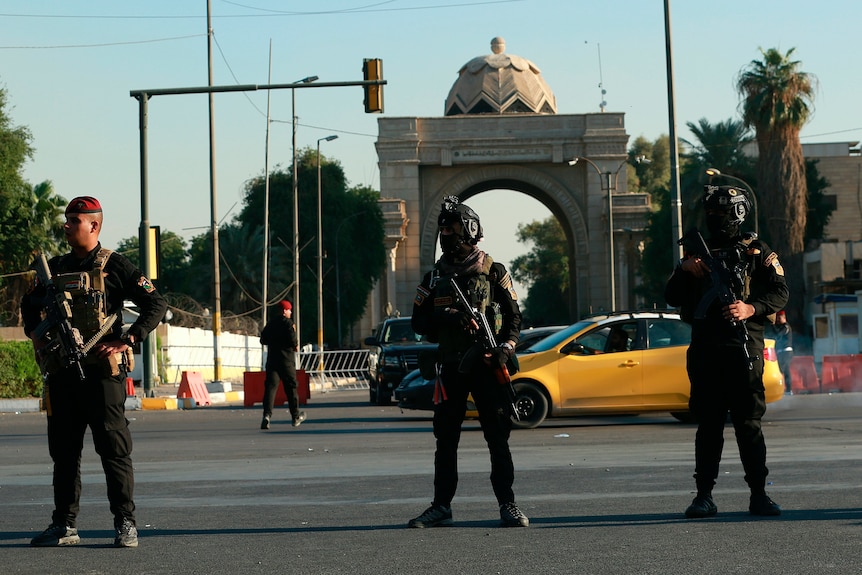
x=395, y=350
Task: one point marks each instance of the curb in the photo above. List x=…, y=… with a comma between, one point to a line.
x=165, y=403
x=28, y=405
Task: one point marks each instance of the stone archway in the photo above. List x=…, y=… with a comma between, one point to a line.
x=536, y=184
x=422, y=160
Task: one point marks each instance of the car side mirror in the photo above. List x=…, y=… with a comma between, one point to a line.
x=573, y=348
x=371, y=340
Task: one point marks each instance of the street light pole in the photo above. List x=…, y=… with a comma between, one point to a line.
x=608, y=181
x=675, y=192
x=295, y=186
x=713, y=172
x=320, y=254
x=264, y=292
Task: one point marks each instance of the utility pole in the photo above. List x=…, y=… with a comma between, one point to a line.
x=214, y=210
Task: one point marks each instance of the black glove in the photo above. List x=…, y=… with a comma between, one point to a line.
x=501, y=355
x=457, y=319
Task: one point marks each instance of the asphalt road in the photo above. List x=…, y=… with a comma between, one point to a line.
x=604, y=495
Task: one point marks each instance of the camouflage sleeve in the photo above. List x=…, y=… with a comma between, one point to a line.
x=504, y=294
x=422, y=319
x=135, y=286
x=769, y=292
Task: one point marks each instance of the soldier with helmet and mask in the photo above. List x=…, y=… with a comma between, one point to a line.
x=726, y=377
x=437, y=315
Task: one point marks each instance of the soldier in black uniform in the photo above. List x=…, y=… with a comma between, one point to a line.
x=722, y=380
x=279, y=335
x=97, y=401
x=461, y=371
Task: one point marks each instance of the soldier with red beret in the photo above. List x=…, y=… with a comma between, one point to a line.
x=279, y=335
x=91, y=393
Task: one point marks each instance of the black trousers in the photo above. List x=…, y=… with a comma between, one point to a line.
x=496, y=426
x=721, y=383
x=287, y=375
x=98, y=402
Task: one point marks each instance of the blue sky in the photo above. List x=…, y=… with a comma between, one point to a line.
x=68, y=67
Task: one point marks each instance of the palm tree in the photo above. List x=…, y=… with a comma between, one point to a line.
x=718, y=146
x=777, y=102
x=46, y=221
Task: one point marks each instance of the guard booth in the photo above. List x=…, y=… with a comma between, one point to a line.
x=836, y=326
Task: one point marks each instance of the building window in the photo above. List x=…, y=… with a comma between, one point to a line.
x=821, y=327
x=849, y=325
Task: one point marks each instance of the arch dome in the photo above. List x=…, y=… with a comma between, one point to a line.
x=500, y=83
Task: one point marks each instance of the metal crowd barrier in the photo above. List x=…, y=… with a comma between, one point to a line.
x=342, y=369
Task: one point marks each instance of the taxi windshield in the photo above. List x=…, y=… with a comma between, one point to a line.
x=561, y=336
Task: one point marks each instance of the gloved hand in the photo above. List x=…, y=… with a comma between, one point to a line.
x=457, y=319
x=500, y=355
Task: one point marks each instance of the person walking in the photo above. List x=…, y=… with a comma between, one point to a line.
x=461, y=370
x=783, y=336
x=92, y=392
x=725, y=358
x=279, y=335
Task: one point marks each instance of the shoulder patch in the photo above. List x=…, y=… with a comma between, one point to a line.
x=505, y=282
x=421, y=294
x=772, y=260
x=146, y=284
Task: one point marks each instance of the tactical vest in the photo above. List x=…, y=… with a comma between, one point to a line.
x=741, y=257
x=478, y=290
x=87, y=290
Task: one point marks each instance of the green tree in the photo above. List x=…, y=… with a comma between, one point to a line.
x=15, y=150
x=352, y=230
x=545, y=272
x=653, y=178
x=653, y=173
x=777, y=101
x=655, y=266
x=719, y=146
x=173, y=257
x=30, y=217
x=819, y=210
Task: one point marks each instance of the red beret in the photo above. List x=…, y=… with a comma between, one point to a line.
x=84, y=205
x=780, y=313
x=285, y=305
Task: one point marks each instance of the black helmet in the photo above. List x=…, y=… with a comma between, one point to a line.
x=452, y=210
x=729, y=199
x=733, y=204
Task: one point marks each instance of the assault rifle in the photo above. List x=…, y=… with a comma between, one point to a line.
x=726, y=283
x=487, y=342
x=66, y=343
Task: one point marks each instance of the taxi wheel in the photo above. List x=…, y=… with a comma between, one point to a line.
x=532, y=406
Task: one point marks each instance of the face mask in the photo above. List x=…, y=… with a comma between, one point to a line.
x=721, y=226
x=450, y=244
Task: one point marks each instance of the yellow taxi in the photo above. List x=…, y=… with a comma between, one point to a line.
x=620, y=363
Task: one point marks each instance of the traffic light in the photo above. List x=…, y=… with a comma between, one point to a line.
x=155, y=247
x=372, y=69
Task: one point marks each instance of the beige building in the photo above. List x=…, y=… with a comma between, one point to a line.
x=835, y=266
x=833, y=269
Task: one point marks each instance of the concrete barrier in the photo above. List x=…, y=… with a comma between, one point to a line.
x=803, y=375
